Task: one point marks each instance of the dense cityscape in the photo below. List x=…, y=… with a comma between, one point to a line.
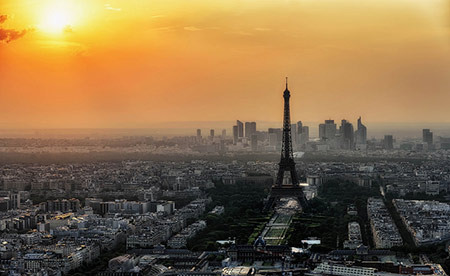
x=216, y=205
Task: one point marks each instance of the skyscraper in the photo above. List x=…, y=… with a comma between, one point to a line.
x=361, y=133
x=199, y=135
x=304, y=136
x=388, y=142
x=427, y=136
x=224, y=134
x=240, y=128
x=235, y=134
x=347, y=138
x=275, y=135
x=294, y=134
x=254, y=142
x=250, y=129
x=211, y=133
x=299, y=126
x=273, y=139
x=299, y=131
x=247, y=129
x=327, y=131
x=322, y=131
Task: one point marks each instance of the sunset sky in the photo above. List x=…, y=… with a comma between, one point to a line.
x=131, y=63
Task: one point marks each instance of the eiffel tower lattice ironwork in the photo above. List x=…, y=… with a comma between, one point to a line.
x=287, y=156
x=283, y=187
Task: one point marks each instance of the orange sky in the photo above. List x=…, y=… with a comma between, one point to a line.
x=130, y=63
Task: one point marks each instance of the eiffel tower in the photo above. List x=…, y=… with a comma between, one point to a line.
x=285, y=186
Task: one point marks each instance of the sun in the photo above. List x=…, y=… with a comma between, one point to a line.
x=57, y=18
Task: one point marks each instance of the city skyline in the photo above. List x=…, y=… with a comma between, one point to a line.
x=75, y=64
x=163, y=138
x=377, y=130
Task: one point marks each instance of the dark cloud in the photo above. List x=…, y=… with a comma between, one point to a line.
x=9, y=35
x=3, y=18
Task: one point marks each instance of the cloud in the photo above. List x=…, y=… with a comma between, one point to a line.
x=262, y=29
x=9, y=35
x=3, y=18
x=166, y=28
x=69, y=47
x=241, y=33
x=192, y=28
x=110, y=8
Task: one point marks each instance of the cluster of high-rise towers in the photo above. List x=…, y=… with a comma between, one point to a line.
x=245, y=132
x=330, y=135
x=345, y=137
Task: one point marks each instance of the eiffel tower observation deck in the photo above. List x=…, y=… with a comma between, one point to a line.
x=287, y=184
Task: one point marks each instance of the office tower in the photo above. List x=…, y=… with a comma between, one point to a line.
x=240, y=128
x=343, y=121
x=347, y=138
x=427, y=136
x=388, y=142
x=294, y=134
x=327, y=131
x=275, y=135
x=361, y=133
x=254, y=142
x=322, y=131
x=235, y=134
x=224, y=133
x=273, y=139
x=299, y=129
x=330, y=129
x=247, y=131
x=211, y=133
x=304, y=136
x=250, y=129
x=253, y=127
x=223, y=148
x=199, y=135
